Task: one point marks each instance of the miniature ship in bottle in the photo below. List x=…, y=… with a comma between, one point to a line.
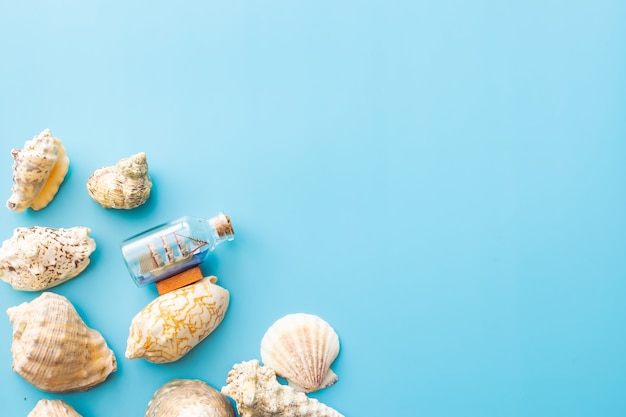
x=172, y=248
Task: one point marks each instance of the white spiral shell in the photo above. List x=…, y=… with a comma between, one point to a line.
x=125, y=185
x=38, y=171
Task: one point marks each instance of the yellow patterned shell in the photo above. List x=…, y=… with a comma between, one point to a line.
x=173, y=323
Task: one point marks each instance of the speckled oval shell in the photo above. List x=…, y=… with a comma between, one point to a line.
x=38, y=171
x=173, y=323
x=257, y=393
x=37, y=258
x=186, y=398
x=53, y=408
x=54, y=350
x=125, y=185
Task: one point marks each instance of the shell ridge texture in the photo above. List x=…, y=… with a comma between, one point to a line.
x=53, y=348
x=125, y=185
x=301, y=348
x=188, y=398
x=53, y=408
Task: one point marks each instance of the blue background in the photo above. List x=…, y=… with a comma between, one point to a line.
x=442, y=181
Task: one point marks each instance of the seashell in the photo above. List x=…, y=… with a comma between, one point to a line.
x=173, y=323
x=300, y=348
x=257, y=393
x=54, y=350
x=125, y=185
x=38, y=171
x=53, y=408
x=188, y=397
x=38, y=258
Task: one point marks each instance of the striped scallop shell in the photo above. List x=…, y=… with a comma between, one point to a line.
x=188, y=398
x=53, y=408
x=300, y=348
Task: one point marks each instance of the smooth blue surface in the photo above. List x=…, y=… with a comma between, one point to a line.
x=443, y=182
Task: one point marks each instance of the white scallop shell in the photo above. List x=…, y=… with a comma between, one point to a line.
x=188, y=398
x=173, y=323
x=53, y=408
x=125, y=185
x=38, y=171
x=300, y=348
x=38, y=258
x=257, y=393
x=54, y=350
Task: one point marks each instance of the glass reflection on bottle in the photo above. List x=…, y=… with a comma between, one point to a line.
x=171, y=248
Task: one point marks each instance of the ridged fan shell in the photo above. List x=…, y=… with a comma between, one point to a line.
x=38, y=171
x=53, y=408
x=37, y=258
x=54, y=350
x=301, y=348
x=175, y=322
x=188, y=398
x=125, y=185
x=257, y=393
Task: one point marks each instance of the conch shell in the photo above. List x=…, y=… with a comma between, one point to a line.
x=257, y=393
x=188, y=397
x=53, y=408
x=300, y=348
x=173, y=323
x=125, y=185
x=54, y=350
x=38, y=171
x=38, y=258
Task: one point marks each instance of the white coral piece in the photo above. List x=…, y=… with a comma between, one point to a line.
x=257, y=393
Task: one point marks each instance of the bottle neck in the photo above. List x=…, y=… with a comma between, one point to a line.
x=222, y=228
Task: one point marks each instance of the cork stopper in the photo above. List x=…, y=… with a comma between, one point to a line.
x=223, y=227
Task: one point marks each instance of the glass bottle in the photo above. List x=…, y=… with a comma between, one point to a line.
x=171, y=248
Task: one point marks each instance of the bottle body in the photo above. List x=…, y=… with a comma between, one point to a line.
x=171, y=248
